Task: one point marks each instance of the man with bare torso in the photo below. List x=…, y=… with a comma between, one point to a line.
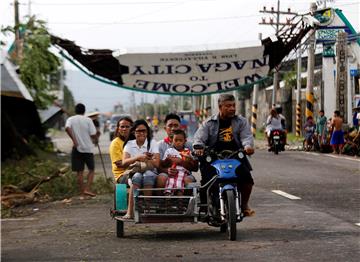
x=337, y=138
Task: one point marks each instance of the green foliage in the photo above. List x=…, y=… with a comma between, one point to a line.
x=69, y=101
x=102, y=186
x=30, y=169
x=38, y=63
x=290, y=79
x=291, y=137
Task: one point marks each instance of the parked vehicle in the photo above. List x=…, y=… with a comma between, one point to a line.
x=277, y=141
x=222, y=208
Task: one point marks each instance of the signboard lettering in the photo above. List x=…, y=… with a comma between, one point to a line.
x=195, y=73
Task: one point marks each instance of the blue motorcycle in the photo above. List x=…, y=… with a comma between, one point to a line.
x=223, y=197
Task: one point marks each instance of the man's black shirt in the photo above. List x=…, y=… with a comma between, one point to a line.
x=225, y=140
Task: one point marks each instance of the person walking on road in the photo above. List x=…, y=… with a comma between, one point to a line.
x=82, y=132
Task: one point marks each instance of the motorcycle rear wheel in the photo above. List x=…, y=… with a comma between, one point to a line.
x=276, y=149
x=230, y=212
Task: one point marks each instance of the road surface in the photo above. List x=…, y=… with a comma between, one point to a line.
x=307, y=209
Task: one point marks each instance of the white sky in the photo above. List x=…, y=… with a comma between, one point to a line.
x=160, y=23
x=166, y=25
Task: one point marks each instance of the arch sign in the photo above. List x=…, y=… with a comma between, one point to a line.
x=193, y=73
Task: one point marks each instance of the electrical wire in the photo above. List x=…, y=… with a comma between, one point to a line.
x=156, y=22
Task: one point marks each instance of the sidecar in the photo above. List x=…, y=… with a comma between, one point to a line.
x=157, y=208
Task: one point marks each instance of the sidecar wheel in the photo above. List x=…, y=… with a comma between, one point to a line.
x=231, y=214
x=119, y=228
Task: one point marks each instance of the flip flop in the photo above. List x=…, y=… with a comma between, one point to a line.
x=89, y=193
x=248, y=212
x=126, y=218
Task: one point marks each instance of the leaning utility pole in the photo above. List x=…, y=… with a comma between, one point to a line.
x=276, y=25
x=310, y=70
x=18, y=51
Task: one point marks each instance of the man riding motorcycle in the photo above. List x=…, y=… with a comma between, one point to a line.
x=227, y=131
x=273, y=122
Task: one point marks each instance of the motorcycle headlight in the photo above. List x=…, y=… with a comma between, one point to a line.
x=241, y=155
x=208, y=159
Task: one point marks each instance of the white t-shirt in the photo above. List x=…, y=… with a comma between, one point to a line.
x=134, y=150
x=273, y=123
x=82, y=128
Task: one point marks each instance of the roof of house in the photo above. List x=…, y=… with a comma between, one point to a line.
x=11, y=85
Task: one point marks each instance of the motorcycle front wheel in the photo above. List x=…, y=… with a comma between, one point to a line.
x=230, y=213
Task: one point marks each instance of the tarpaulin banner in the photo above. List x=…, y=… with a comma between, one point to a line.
x=193, y=73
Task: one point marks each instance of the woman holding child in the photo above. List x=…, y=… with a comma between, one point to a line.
x=140, y=147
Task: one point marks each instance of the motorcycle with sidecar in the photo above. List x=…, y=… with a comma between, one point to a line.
x=221, y=208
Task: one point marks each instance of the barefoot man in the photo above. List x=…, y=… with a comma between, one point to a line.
x=82, y=132
x=337, y=138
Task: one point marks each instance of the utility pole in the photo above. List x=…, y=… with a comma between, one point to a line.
x=133, y=105
x=61, y=81
x=254, y=109
x=341, y=76
x=276, y=25
x=18, y=48
x=237, y=103
x=298, y=95
x=310, y=70
x=29, y=8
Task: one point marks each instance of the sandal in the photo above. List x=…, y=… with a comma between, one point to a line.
x=126, y=218
x=248, y=212
x=89, y=193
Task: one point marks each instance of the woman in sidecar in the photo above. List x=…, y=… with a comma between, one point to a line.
x=140, y=151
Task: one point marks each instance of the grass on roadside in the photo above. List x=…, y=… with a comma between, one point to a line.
x=291, y=137
x=26, y=172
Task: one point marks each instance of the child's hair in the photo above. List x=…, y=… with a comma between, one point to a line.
x=179, y=132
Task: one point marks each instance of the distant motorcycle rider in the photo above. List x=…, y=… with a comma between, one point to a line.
x=273, y=122
x=227, y=131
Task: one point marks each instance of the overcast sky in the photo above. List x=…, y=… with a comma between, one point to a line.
x=161, y=25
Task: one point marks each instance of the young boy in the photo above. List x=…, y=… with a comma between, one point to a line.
x=173, y=157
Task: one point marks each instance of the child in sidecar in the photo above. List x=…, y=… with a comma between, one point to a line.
x=172, y=158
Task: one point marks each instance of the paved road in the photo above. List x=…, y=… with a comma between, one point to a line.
x=319, y=226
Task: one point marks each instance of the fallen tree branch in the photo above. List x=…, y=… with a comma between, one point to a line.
x=12, y=196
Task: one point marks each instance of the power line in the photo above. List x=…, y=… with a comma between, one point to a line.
x=157, y=22
x=103, y=3
x=114, y=3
